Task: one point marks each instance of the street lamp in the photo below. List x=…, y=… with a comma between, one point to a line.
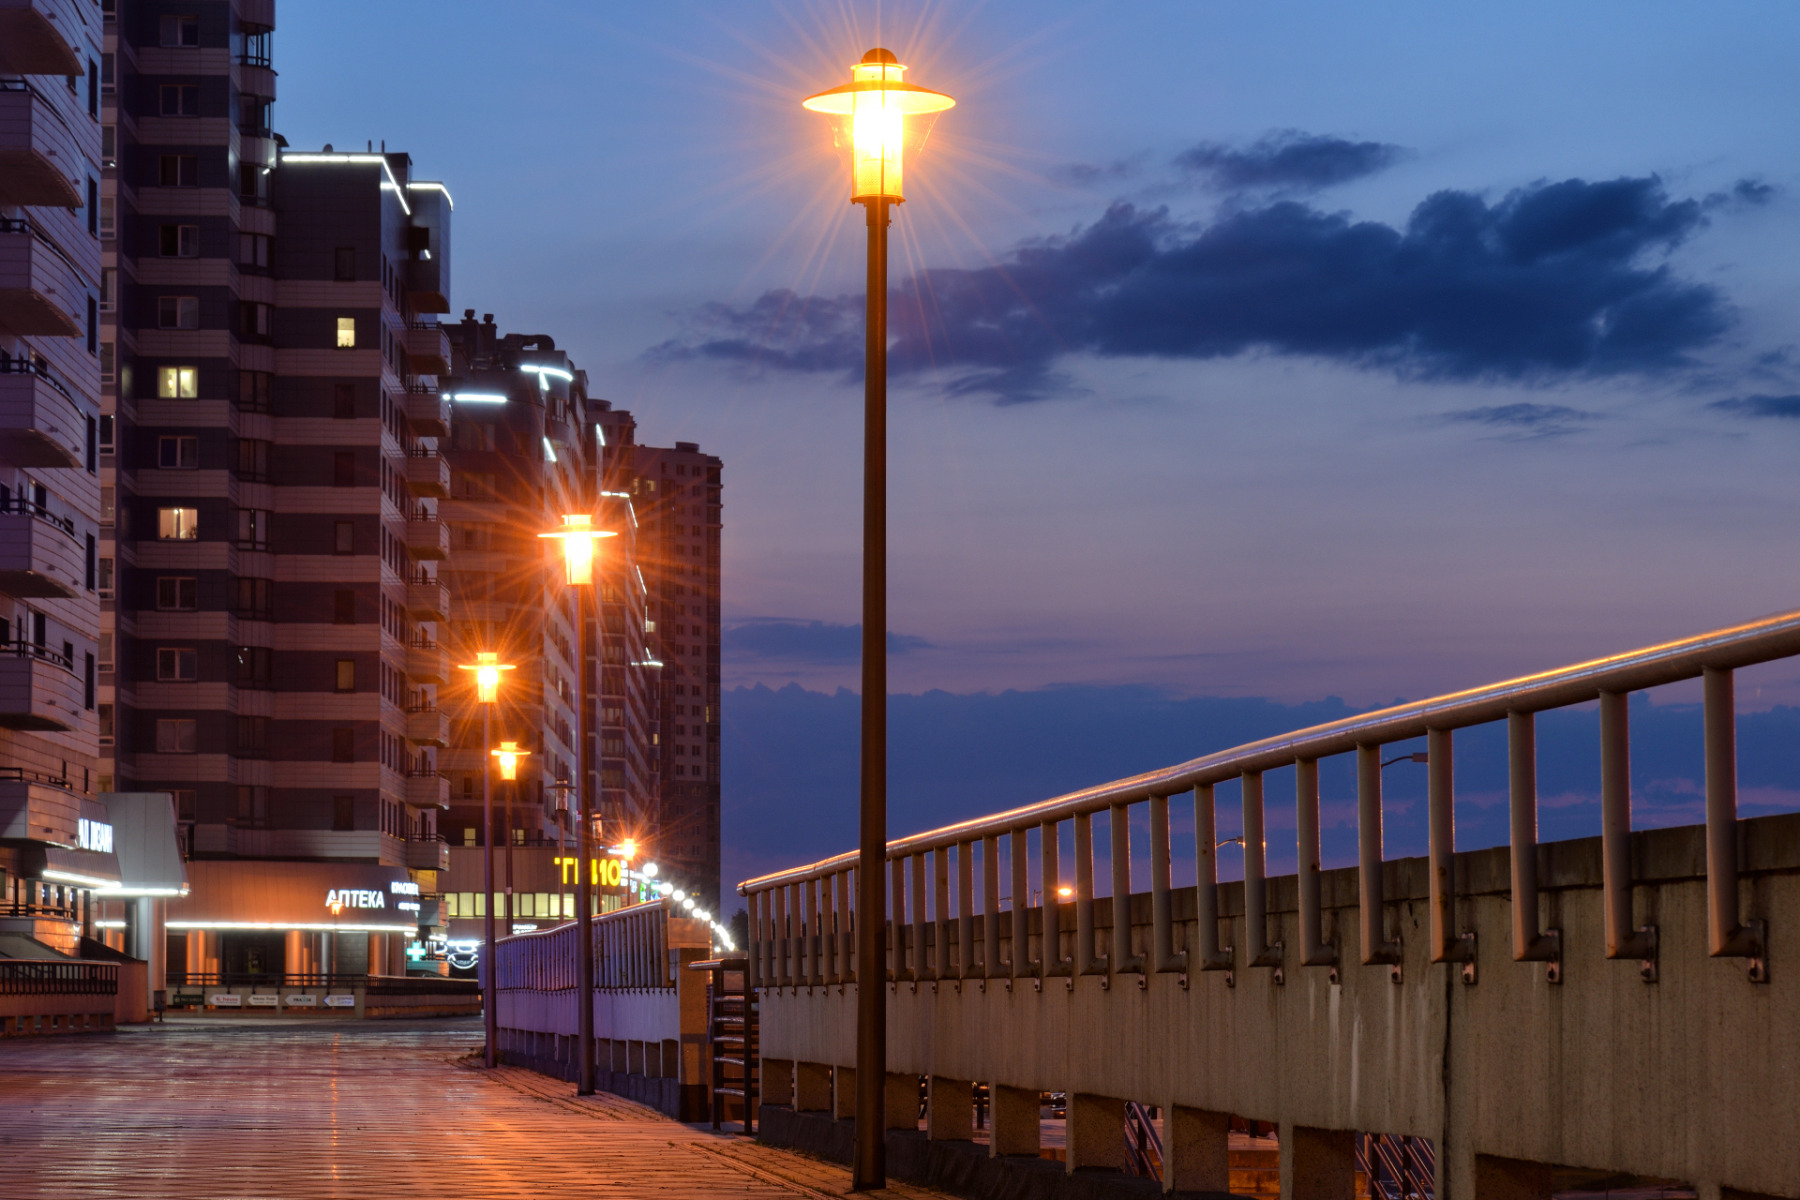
x=509, y=755
x=577, y=537
x=878, y=116
x=487, y=669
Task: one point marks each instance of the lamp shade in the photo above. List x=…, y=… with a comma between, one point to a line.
x=509, y=755
x=577, y=536
x=880, y=116
x=487, y=667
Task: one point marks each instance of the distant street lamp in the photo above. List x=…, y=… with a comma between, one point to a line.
x=577, y=537
x=487, y=668
x=873, y=112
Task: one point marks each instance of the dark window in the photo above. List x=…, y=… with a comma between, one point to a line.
x=87, y=681
x=343, y=608
x=178, y=453
x=93, y=446
x=179, y=170
x=343, y=468
x=179, y=241
x=346, y=675
x=93, y=325
x=253, y=460
x=93, y=89
x=253, y=319
x=177, y=593
x=253, y=735
x=179, y=100
x=177, y=664
x=344, y=264
x=343, y=808
x=180, y=31
x=178, y=312
x=343, y=401
x=255, y=597
x=255, y=667
x=345, y=537
x=93, y=207
x=106, y=433
x=343, y=745
x=253, y=390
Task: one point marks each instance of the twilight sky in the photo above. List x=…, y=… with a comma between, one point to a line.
x=1240, y=351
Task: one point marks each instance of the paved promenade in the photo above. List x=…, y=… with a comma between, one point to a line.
x=359, y=1110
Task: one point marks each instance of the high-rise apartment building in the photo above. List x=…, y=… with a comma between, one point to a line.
x=51, y=291
x=274, y=475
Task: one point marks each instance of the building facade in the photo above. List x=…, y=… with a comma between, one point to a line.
x=52, y=855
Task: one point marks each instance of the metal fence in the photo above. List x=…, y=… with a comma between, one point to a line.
x=801, y=919
x=631, y=953
x=27, y=977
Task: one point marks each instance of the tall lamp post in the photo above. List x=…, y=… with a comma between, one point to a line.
x=879, y=115
x=577, y=537
x=487, y=668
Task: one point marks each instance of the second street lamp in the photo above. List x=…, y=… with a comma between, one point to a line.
x=487, y=669
x=879, y=117
x=577, y=537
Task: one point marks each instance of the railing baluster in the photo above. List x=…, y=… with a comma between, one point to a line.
x=990, y=907
x=1726, y=936
x=1314, y=950
x=898, y=966
x=1213, y=957
x=940, y=904
x=844, y=964
x=1257, y=948
x=1446, y=944
x=921, y=952
x=1376, y=946
x=1615, y=836
x=1162, y=932
x=1021, y=903
x=1529, y=945
x=1087, y=957
x=1050, y=956
x=784, y=937
x=965, y=911
x=1122, y=960
x=809, y=931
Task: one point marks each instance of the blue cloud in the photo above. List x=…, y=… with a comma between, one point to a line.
x=1288, y=160
x=1524, y=419
x=806, y=641
x=1778, y=407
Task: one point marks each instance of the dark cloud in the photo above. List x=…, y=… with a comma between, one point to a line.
x=806, y=641
x=1779, y=407
x=1525, y=420
x=1288, y=161
x=1753, y=191
x=1553, y=280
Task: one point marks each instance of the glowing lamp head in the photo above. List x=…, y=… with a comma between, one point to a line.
x=629, y=848
x=509, y=755
x=487, y=667
x=879, y=117
x=577, y=536
x=1065, y=891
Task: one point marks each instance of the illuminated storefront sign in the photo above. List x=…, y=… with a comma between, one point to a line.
x=338, y=899
x=94, y=835
x=463, y=955
x=604, y=872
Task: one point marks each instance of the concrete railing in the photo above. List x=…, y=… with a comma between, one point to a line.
x=649, y=1012
x=1201, y=1002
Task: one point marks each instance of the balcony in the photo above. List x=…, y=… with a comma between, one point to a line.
x=255, y=78
x=426, y=536
x=427, y=726
x=39, y=689
x=427, y=473
x=42, y=291
x=424, y=854
x=428, y=411
x=426, y=662
x=41, y=422
x=429, y=790
x=257, y=149
x=41, y=554
x=41, y=37
x=427, y=348
x=427, y=599
x=38, y=150
x=38, y=808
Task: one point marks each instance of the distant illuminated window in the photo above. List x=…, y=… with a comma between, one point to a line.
x=178, y=524
x=177, y=383
x=346, y=330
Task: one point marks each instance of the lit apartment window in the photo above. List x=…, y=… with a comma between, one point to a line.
x=178, y=524
x=179, y=241
x=177, y=383
x=178, y=312
x=178, y=735
x=346, y=674
x=178, y=453
x=177, y=593
x=180, y=31
x=346, y=333
x=177, y=665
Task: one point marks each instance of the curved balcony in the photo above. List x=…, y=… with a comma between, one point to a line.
x=427, y=726
x=427, y=348
x=37, y=37
x=426, y=662
x=41, y=554
x=428, y=411
x=37, y=150
x=39, y=689
x=42, y=290
x=428, y=790
x=427, y=599
x=426, y=536
x=427, y=472
x=42, y=424
x=427, y=854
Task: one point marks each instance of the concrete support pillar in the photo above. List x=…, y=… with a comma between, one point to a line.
x=901, y=1100
x=326, y=945
x=153, y=942
x=1096, y=1132
x=949, y=1110
x=1510, y=1179
x=196, y=951
x=292, y=953
x=843, y=1093
x=812, y=1087
x=1196, y=1150
x=1013, y=1121
x=777, y=1084
x=377, y=952
x=1318, y=1164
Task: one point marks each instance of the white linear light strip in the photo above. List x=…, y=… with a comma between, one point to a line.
x=387, y=169
x=72, y=877
x=600, y=436
x=477, y=397
x=109, y=892
x=543, y=371
x=432, y=186
x=295, y=925
x=549, y=450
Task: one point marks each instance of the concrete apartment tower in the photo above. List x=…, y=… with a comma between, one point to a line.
x=273, y=475
x=50, y=296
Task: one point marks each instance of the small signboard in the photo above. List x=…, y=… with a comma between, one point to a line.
x=263, y=1001
x=221, y=1000
x=340, y=1002
x=181, y=998
x=298, y=1001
